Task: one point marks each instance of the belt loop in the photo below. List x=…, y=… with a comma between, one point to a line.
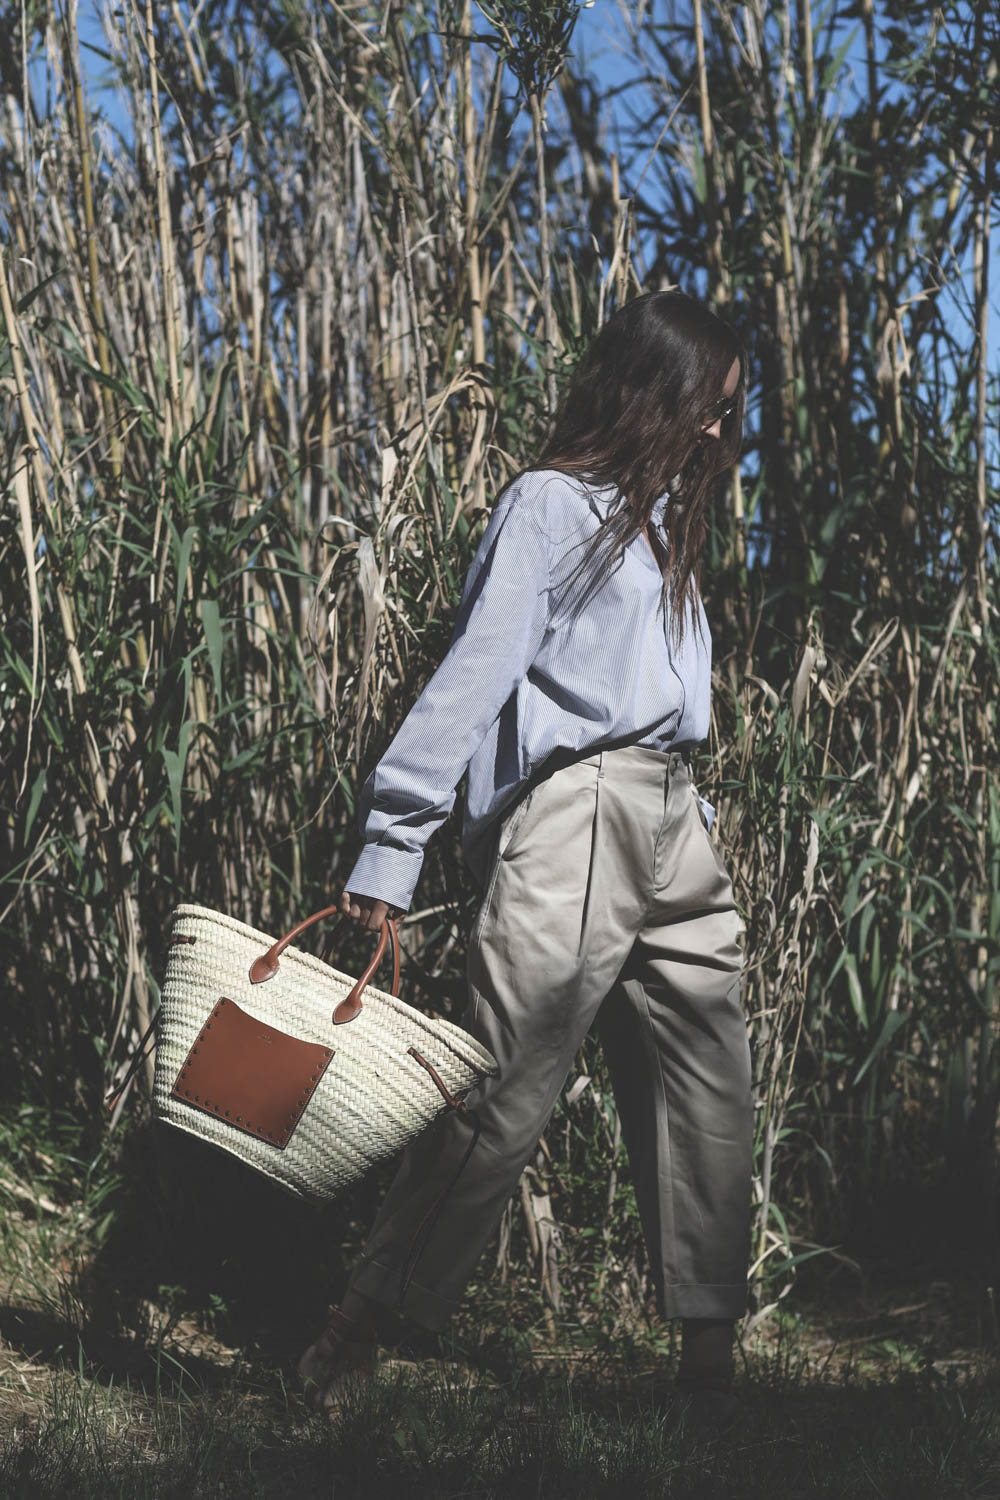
x=600, y=763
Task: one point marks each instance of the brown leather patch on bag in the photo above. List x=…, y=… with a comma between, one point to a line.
x=251, y=1075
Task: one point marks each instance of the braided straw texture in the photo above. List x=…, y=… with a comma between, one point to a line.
x=372, y=1099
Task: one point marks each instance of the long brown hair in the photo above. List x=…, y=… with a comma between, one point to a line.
x=633, y=419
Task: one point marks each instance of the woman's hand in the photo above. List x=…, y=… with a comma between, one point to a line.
x=366, y=910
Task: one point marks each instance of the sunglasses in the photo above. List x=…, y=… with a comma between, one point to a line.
x=721, y=411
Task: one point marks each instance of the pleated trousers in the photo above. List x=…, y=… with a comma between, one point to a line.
x=607, y=903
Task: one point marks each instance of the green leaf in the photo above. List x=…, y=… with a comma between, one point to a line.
x=778, y=1216
x=37, y=788
x=183, y=549
x=893, y=1021
x=23, y=303
x=174, y=762
x=211, y=620
x=854, y=989
x=241, y=758
x=832, y=66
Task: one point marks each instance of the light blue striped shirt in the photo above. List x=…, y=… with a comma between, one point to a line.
x=529, y=671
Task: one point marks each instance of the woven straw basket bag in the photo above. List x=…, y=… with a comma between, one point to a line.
x=304, y=1073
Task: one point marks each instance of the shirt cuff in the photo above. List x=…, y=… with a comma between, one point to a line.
x=386, y=874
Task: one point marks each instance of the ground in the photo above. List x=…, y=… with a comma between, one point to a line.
x=112, y=1384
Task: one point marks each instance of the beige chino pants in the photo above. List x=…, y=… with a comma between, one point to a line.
x=606, y=902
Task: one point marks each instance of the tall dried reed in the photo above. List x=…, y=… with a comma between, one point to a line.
x=278, y=325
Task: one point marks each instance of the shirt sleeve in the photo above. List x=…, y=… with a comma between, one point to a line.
x=500, y=624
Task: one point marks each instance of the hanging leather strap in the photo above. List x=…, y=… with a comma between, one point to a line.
x=266, y=966
x=139, y=1056
x=425, y=1228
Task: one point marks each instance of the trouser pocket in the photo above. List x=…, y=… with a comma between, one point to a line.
x=513, y=820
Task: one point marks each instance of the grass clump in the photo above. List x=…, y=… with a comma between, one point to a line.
x=434, y=1431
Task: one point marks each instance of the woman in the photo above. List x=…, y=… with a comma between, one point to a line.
x=576, y=684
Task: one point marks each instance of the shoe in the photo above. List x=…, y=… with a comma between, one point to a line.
x=706, y=1412
x=344, y=1352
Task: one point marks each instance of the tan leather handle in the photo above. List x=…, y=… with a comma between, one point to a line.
x=266, y=966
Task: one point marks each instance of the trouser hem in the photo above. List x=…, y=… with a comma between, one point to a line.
x=380, y=1283
x=701, y=1301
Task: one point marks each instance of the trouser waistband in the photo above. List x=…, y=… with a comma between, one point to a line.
x=670, y=760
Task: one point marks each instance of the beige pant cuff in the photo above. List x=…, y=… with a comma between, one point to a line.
x=700, y=1301
x=421, y=1305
